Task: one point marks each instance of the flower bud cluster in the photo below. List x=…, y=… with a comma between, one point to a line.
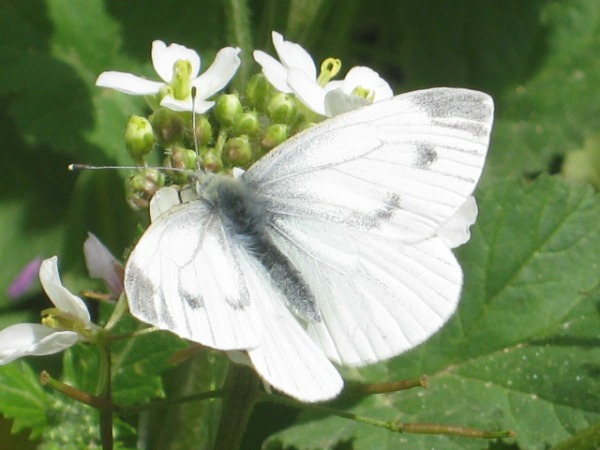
x=236, y=132
x=190, y=129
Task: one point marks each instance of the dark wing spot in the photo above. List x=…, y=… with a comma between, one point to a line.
x=195, y=302
x=425, y=156
x=149, y=300
x=391, y=204
x=466, y=105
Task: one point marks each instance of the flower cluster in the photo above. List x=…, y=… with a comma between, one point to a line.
x=231, y=130
x=296, y=73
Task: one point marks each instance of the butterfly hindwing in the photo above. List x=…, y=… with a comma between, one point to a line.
x=377, y=297
x=287, y=358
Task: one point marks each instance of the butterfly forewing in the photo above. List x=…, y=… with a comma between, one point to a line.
x=185, y=276
x=399, y=168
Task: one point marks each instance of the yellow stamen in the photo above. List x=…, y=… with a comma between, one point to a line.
x=329, y=69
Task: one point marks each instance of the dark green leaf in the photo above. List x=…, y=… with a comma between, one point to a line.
x=23, y=399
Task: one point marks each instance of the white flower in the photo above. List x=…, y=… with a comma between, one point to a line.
x=178, y=67
x=295, y=72
x=26, y=339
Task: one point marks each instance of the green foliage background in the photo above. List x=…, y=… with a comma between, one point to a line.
x=523, y=351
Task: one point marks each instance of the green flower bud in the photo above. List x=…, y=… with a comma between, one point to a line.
x=227, y=109
x=276, y=133
x=247, y=123
x=203, y=130
x=211, y=161
x=258, y=91
x=183, y=158
x=142, y=186
x=237, y=152
x=169, y=126
x=139, y=138
x=282, y=109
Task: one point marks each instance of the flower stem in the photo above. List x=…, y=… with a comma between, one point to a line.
x=395, y=426
x=105, y=392
x=386, y=388
x=141, y=332
x=76, y=394
x=180, y=424
x=241, y=387
x=237, y=16
x=158, y=404
x=118, y=311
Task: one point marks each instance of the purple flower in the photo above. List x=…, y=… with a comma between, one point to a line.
x=25, y=279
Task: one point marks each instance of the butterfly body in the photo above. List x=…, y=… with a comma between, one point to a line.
x=245, y=216
x=335, y=246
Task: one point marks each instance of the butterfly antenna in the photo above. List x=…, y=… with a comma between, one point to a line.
x=75, y=167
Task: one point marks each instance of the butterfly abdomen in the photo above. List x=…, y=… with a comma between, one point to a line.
x=245, y=216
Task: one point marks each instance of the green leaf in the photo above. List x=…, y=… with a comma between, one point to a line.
x=137, y=370
x=23, y=399
x=47, y=114
x=588, y=439
x=554, y=110
x=522, y=351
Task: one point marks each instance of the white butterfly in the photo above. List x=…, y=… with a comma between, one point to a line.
x=335, y=246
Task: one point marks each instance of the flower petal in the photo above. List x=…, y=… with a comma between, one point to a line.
x=307, y=91
x=103, y=265
x=275, y=72
x=220, y=72
x=161, y=202
x=200, y=106
x=456, y=231
x=294, y=55
x=164, y=59
x=58, y=294
x=339, y=102
x=25, y=339
x=367, y=78
x=128, y=83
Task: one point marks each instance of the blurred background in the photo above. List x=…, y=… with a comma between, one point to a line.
x=537, y=58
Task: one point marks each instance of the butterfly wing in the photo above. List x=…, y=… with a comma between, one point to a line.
x=356, y=204
x=185, y=276
x=377, y=296
x=399, y=168
x=287, y=358
x=190, y=276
